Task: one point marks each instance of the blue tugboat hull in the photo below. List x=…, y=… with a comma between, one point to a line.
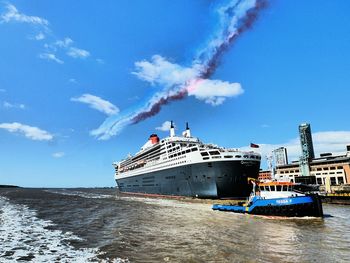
x=300, y=206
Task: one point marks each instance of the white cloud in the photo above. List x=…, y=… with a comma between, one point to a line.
x=213, y=92
x=66, y=42
x=12, y=14
x=40, y=36
x=78, y=53
x=50, y=56
x=30, y=132
x=97, y=103
x=72, y=80
x=100, y=61
x=58, y=154
x=165, y=126
x=328, y=141
x=162, y=72
x=9, y=105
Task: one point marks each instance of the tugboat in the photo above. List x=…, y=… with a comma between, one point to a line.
x=277, y=199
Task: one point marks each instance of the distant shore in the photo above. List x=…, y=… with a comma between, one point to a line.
x=8, y=186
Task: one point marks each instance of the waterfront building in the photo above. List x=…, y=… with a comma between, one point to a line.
x=264, y=175
x=336, y=169
x=280, y=156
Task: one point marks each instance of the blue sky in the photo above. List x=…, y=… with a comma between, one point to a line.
x=75, y=75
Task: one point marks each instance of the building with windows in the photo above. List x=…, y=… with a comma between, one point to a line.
x=336, y=169
x=307, y=147
x=264, y=175
x=280, y=156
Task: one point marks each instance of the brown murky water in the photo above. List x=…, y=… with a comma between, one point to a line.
x=82, y=225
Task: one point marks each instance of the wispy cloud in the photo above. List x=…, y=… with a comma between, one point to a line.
x=39, y=36
x=72, y=80
x=161, y=72
x=33, y=133
x=78, y=53
x=58, y=154
x=53, y=44
x=2, y=90
x=164, y=127
x=100, y=61
x=50, y=56
x=327, y=141
x=97, y=103
x=13, y=15
x=213, y=92
x=64, y=43
x=9, y=105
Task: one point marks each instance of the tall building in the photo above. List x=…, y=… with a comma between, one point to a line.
x=307, y=147
x=280, y=156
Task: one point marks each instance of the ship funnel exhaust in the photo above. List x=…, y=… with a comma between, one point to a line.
x=172, y=130
x=188, y=131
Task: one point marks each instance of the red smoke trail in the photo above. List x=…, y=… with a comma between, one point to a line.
x=211, y=65
x=157, y=106
x=246, y=24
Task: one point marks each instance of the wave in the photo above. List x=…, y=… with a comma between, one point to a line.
x=79, y=193
x=23, y=236
x=167, y=202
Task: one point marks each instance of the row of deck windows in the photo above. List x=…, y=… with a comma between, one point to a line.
x=275, y=188
x=204, y=154
x=183, y=152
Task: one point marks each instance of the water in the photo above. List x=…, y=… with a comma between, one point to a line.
x=97, y=225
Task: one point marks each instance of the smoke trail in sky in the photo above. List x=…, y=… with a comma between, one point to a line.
x=178, y=81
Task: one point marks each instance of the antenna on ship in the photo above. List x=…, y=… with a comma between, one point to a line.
x=172, y=130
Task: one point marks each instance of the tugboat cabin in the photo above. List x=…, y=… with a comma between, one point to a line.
x=276, y=190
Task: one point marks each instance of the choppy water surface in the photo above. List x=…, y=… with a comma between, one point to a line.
x=97, y=225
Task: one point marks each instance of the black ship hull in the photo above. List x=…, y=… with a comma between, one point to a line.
x=204, y=180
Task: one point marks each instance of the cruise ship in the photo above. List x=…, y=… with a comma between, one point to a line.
x=184, y=166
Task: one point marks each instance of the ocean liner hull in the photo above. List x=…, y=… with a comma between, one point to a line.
x=204, y=180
